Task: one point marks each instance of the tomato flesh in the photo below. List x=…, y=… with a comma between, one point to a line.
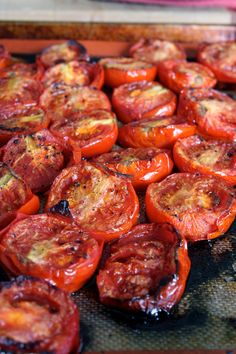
x=136, y=265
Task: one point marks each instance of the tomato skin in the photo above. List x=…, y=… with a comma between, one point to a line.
x=217, y=57
x=142, y=100
x=15, y=196
x=5, y=58
x=94, y=132
x=213, y=157
x=120, y=71
x=27, y=121
x=177, y=75
x=158, y=132
x=155, y=50
x=131, y=276
x=47, y=318
x=62, y=53
x=58, y=252
x=75, y=73
x=36, y=158
x=98, y=201
x=143, y=165
x=200, y=207
x=212, y=111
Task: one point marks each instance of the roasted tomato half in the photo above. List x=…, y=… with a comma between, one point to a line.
x=93, y=132
x=5, y=58
x=97, y=199
x=212, y=111
x=146, y=270
x=75, y=73
x=60, y=100
x=142, y=165
x=29, y=120
x=221, y=59
x=119, y=71
x=177, y=75
x=50, y=247
x=200, y=207
x=62, y=53
x=15, y=196
x=211, y=157
x=142, y=100
x=155, y=50
x=36, y=158
x=158, y=132
x=21, y=70
x=36, y=317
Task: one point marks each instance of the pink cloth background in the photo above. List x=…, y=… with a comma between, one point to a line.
x=200, y=3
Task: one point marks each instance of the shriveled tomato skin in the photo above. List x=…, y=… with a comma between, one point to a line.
x=135, y=265
x=158, y=132
x=142, y=165
x=211, y=110
x=142, y=100
x=121, y=70
x=98, y=201
x=37, y=158
x=58, y=251
x=200, y=207
x=37, y=317
x=211, y=157
x=177, y=75
x=217, y=57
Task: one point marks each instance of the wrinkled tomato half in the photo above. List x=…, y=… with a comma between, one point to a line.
x=155, y=50
x=120, y=71
x=62, y=100
x=158, y=132
x=212, y=111
x=22, y=70
x=200, y=207
x=97, y=199
x=221, y=59
x=146, y=270
x=36, y=158
x=62, y=53
x=51, y=248
x=28, y=121
x=142, y=100
x=75, y=73
x=93, y=132
x=36, y=317
x=142, y=165
x=177, y=75
x=15, y=196
x=212, y=157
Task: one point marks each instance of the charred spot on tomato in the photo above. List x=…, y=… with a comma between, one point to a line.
x=62, y=208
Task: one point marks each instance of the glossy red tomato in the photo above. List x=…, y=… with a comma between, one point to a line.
x=93, y=132
x=200, y=207
x=50, y=247
x=119, y=71
x=221, y=59
x=177, y=75
x=29, y=120
x=36, y=317
x=155, y=50
x=98, y=200
x=15, y=196
x=146, y=270
x=60, y=100
x=62, y=53
x=75, y=73
x=211, y=157
x=142, y=100
x=212, y=111
x=142, y=165
x=36, y=158
x=158, y=132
